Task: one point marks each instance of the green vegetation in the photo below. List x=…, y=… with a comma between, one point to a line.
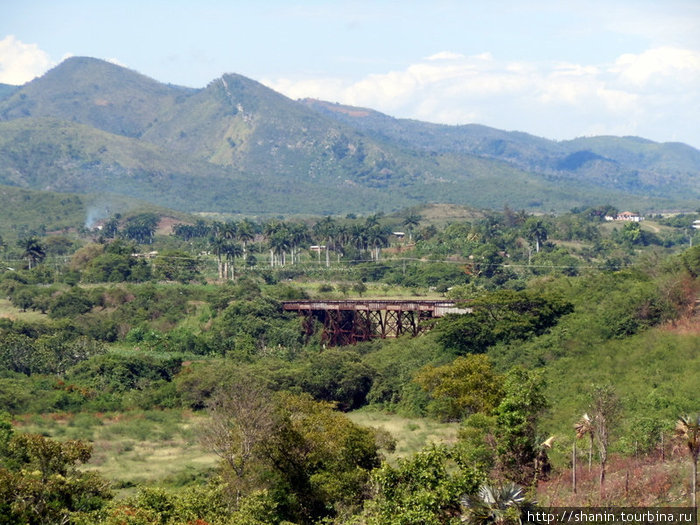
x=236, y=146
x=158, y=375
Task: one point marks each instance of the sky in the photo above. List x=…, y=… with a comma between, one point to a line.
x=558, y=69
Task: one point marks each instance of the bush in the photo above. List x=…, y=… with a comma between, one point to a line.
x=70, y=304
x=115, y=373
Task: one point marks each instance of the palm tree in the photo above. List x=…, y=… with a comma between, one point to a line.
x=270, y=229
x=585, y=427
x=605, y=407
x=325, y=229
x=298, y=234
x=358, y=236
x=377, y=237
x=279, y=244
x=496, y=505
x=227, y=233
x=536, y=230
x=246, y=233
x=542, y=465
x=232, y=250
x=411, y=221
x=688, y=431
x=33, y=251
x=341, y=237
x=372, y=221
x=216, y=244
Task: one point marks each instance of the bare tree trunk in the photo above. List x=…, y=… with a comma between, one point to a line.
x=694, y=485
x=663, y=448
x=573, y=469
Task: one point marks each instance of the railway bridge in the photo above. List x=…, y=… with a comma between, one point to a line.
x=353, y=320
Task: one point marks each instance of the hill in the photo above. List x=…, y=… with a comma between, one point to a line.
x=630, y=164
x=27, y=211
x=236, y=146
x=6, y=90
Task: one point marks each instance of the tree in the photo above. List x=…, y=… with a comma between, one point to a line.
x=141, y=228
x=584, y=427
x=516, y=420
x=325, y=230
x=500, y=316
x=217, y=243
x=467, y=385
x=280, y=243
x=425, y=488
x=33, y=251
x=313, y=459
x=241, y=420
x=231, y=251
x=246, y=233
x=176, y=265
x=604, y=409
x=377, y=238
x=536, y=230
x=411, y=221
x=110, y=228
x=359, y=288
x=688, y=431
x=40, y=483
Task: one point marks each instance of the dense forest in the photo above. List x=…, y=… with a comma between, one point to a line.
x=149, y=374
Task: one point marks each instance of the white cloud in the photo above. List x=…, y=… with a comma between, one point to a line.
x=445, y=55
x=20, y=62
x=654, y=94
x=116, y=62
x=658, y=65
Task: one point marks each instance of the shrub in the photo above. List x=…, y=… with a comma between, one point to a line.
x=70, y=304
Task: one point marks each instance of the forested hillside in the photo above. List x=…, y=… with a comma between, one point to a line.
x=89, y=125
x=150, y=374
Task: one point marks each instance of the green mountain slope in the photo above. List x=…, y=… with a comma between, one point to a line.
x=55, y=155
x=96, y=93
x=627, y=164
x=25, y=211
x=236, y=146
x=6, y=90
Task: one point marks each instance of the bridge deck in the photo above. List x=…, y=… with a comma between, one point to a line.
x=438, y=308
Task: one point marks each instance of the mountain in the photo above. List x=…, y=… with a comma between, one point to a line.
x=631, y=164
x=237, y=146
x=6, y=90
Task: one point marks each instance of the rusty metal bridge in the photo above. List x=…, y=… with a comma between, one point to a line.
x=351, y=321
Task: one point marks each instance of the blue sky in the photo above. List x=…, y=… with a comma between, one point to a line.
x=558, y=69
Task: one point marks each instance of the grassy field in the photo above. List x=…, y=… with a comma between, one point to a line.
x=411, y=434
x=149, y=447
x=162, y=447
x=7, y=311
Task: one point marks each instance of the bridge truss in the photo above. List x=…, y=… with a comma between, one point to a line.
x=351, y=321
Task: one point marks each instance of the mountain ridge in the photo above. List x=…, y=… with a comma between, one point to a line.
x=237, y=146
